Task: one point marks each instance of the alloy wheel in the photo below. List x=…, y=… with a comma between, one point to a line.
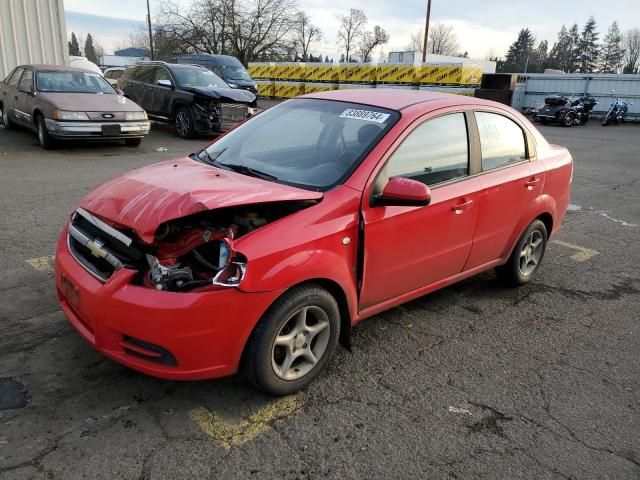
x=183, y=123
x=531, y=253
x=300, y=343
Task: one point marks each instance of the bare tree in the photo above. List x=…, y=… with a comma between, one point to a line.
x=632, y=51
x=351, y=29
x=370, y=41
x=442, y=40
x=305, y=34
x=415, y=41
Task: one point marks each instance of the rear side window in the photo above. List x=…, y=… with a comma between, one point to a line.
x=435, y=152
x=113, y=74
x=162, y=74
x=15, y=77
x=145, y=74
x=502, y=140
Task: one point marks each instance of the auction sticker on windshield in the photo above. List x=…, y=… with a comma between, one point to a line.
x=367, y=115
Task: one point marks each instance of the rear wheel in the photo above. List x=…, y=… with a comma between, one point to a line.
x=46, y=141
x=4, y=114
x=569, y=119
x=184, y=123
x=293, y=341
x=526, y=256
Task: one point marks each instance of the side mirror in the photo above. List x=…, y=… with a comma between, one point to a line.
x=165, y=83
x=402, y=191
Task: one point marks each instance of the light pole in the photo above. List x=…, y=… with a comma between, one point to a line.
x=426, y=32
x=150, y=34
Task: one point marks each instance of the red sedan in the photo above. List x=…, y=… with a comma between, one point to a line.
x=261, y=251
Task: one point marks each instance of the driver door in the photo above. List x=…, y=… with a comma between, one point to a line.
x=407, y=248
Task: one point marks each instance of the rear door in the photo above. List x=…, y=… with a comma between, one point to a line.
x=24, y=102
x=10, y=93
x=509, y=182
x=408, y=248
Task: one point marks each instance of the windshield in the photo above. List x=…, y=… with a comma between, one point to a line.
x=309, y=143
x=197, y=77
x=73, y=82
x=234, y=73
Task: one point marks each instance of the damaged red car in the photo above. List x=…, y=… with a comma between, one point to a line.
x=260, y=252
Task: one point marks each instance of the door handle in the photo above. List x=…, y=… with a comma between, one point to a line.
x=531, y=183
x=461, y=207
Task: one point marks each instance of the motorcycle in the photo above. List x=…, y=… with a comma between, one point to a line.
x=567, y=111
x=617, y=112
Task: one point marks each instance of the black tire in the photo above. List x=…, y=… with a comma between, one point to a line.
x=569, y=119
x=183, y=123
x=133, y=142
x=511, y=273
x=605, y=121
x=8, y=125
x=259, y=358
x=46, y=141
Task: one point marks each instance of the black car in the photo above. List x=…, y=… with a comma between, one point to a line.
x=229, y=68
x=191, y=97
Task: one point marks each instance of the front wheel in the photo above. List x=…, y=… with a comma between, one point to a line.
x=293, y=341
x=184, y=123
x=606, y=120
x=46, y=141
x=526, y=257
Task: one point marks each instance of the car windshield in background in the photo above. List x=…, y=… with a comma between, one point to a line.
x=309, y=143
x=235, y=73
x=188, y=76
x=73, y=82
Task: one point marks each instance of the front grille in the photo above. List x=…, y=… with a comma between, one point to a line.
x=100, y=248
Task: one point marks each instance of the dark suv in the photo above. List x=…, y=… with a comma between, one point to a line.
x=191, y=97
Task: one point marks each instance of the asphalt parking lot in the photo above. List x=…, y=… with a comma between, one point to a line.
x=474, y=381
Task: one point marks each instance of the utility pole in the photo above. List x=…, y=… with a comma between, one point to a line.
x=426, y=32
x=150, y=33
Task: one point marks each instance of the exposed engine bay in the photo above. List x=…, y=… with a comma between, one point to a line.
x=190, y=253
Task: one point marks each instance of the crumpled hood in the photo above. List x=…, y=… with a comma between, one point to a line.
x=234, y=94
x=90, y=102
x=145, y=198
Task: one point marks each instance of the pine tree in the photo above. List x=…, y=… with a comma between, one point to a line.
x=573, y=50
x=612, y=51
x=74, y=48
x=539, y=58
x=89, y=50
x=520, y=52
x=558, y=54
x=588, y=48
x=326, y=59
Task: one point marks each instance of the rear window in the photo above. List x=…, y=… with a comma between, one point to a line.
x=15, y=77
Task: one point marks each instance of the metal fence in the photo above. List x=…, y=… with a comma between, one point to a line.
x=31, y=31
x=533, y=88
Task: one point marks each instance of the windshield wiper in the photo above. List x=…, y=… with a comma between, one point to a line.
x=204, y=156
x=247, y=171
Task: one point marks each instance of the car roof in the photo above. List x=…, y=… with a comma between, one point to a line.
x=397, y=99
x=39, y=67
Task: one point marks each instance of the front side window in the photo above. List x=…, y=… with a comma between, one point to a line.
x=145, y=74
x=15, y=77
x=162, y=74
x=26, y=83
x=309, y=143
x=502, y=141
x=73, y=82
x=435, y=152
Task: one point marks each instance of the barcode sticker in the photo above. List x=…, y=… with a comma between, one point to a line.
x=366, y=115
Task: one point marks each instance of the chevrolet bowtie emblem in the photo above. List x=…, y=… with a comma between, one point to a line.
x=95, y=247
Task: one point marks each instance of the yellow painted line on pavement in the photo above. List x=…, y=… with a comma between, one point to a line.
x=41, y=264
x=583, y=254
x=233, y=434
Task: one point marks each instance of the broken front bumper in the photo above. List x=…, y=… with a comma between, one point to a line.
x=97, y=130
x=177, y=336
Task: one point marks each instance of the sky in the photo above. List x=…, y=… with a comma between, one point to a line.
x=481, y=26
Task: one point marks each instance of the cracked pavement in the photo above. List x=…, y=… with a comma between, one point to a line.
x=542, y=381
